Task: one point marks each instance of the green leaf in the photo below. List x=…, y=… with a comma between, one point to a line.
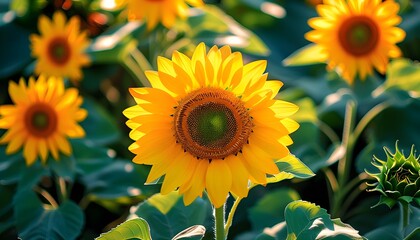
x=404, y=74
x=290, y=167
x=269, y=210
x=307, y=221
x=211, y=25
x=100, y=126
x=134, y=228
x=191, y=232
x=34, y=220
x=166, y=222
x=113, y=45
x=307, y=55
x=13, y=59
x=6, y=207
x=10, y=167
x=119, y=178
x=65, y=167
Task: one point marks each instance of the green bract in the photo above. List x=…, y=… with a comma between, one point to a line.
x=398, y=179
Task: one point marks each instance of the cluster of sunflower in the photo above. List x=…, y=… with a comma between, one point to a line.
x=208, y=122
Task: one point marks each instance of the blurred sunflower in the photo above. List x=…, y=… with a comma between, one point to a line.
x=357, y=36
x=155, y=11
x=43, y=116
x=210, y=122
x=60, y=47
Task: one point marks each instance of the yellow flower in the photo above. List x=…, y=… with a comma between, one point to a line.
x=357, y=36
x=60, y=47
x=155, y=11
x=43, y=115
x=210, y=122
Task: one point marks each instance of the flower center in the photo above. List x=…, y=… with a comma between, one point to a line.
x=358, y=35
x=211, y=123
x=40, y=120
x=405, y=175
x=59, y=51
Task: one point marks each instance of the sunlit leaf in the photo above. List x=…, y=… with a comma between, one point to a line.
x=134, y=228
x=35, y=220
x=195, y=232
x=211, y=25
x=290, y=167
x=307, y=221
x=404, y=74
x=310, y=54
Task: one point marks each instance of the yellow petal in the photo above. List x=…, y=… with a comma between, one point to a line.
x=196, y=183
x=240, y=176
x=218, y=182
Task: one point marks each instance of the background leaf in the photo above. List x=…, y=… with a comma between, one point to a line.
x=37, y=221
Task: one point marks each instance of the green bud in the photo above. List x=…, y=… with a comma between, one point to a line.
x=398, y=179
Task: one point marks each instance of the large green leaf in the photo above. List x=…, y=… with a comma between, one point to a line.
x=404, y=74
x=305, y=220
x=134, y=228
x=212, y=26
x=34, y=220
x=269, y=210
x=167, y=215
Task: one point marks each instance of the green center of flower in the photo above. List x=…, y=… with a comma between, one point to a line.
x=211, y=123
x=405, y=175
x=59, y=51
x=358, y=35
x=40, y=120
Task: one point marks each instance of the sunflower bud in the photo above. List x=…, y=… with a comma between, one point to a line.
x=398, y=179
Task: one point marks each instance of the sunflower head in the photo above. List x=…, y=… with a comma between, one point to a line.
x=43, y=116
x=210, y=123
x=357, y=36
x=155, y=11
x=398, y=178
x=59, y=49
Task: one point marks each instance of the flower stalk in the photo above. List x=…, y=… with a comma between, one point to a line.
x=219, y=228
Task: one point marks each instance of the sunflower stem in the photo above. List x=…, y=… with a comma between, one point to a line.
x=61, y=188
x=219, y=228
x=231, y=214
x=405, y=216
x=47, y=196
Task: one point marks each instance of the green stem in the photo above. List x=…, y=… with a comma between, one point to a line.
x=368, y=117
x=219, y=223
x=344, y=163
x=405, y=216
x=47, y=196
x=328, y=131
x=61, y=188
x=231, y=214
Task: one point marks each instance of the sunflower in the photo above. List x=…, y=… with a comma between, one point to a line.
x=357, y=36
x=60, y=47
x=155, y=11
x=43, y=115
x=209, y=123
